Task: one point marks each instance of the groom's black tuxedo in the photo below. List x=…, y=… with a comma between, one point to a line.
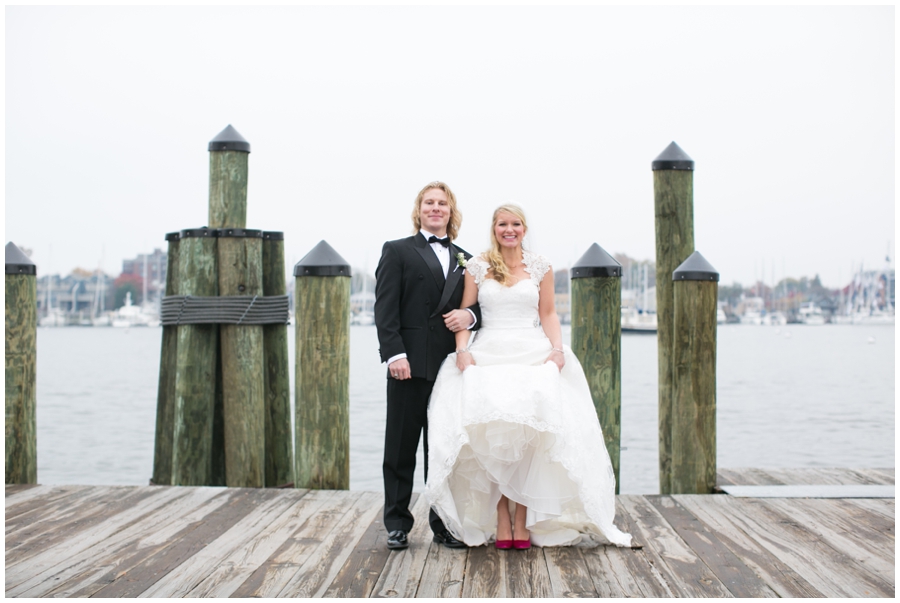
x=411, y=295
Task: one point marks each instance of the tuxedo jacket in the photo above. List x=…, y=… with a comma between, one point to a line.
x=411, y=295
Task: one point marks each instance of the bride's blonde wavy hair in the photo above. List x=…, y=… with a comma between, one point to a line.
x=493, y=256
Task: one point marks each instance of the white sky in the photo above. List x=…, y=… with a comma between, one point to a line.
x=787, y=112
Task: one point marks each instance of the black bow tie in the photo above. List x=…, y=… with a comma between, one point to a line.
x=445, y=241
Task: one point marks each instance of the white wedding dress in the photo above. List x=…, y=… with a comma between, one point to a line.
x=514, y=424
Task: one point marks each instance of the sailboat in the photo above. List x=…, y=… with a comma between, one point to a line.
x=364, y=317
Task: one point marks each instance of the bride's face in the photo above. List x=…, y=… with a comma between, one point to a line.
x=509, y=230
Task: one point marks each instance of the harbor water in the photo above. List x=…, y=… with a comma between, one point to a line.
x=793, y=396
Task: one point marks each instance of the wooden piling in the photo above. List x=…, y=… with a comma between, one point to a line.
x=673, y=191
x=596, y=304
x=165, y=396
x=195, y=374
x=228, y=171
x=240, y=274
x=21, y=367
x=279, y=447
x=695, y=285
x=243, y=381
x=322, y=370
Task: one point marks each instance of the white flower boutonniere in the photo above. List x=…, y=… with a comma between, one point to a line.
x=460, y=260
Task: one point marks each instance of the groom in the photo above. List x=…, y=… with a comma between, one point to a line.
x=418, y=290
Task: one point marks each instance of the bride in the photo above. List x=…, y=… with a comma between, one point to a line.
x=516, y=454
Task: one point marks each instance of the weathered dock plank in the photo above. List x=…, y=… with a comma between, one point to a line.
x=485, y=573
x=85, y=571
x=157, y=556
x=527, y=574
x=749, y=476
x=805, y=552
x=115, y=541
x=611, y=571
x=569, y=575
x=314, y=577
x=267, y=506
x=35, y=516
x=18, y=495
x=731, y=530
x=851, y=539
x=360, y=572
x=879, y=506
x=327, y=508
x=236, y=567
x=739, y=579
x=96, y=527
x=682, y=569
x=15, y=488
x=823, y=476
x=444, y=572
x=402, y=572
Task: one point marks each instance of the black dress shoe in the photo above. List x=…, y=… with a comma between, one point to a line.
x=449, y=541
x=397, y=540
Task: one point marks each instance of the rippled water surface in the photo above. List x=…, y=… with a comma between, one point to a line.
x=793, y=396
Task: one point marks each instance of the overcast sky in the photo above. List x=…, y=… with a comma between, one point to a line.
x=788, y=114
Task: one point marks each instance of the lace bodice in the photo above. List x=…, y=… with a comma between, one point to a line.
x=511, y=307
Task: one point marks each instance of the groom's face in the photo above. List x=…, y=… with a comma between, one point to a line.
x=434, y=212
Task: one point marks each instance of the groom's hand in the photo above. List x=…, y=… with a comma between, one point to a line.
x=399, y=369
x=458, y=320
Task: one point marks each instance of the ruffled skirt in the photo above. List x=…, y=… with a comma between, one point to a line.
x=515, y=425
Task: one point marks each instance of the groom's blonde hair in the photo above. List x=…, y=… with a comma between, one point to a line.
x=493, y=256
x=455, y=215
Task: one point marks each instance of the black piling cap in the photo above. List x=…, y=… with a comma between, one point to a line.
x=17, y=262
x=273, y=235
x=596, y=262
x=323, y=260
x=229, y=140
x=695, y=268
x=202, y=232
x=173, y=236
x=673, y=158
x=239, y=233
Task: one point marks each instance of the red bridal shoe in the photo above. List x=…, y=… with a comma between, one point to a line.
x=522, y=544
x=503, y=544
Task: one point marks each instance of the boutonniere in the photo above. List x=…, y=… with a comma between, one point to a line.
x=460, y=261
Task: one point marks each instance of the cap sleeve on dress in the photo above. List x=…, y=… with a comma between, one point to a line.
x=478, y=267
x=535, y=265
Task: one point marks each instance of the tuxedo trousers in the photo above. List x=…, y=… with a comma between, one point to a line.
x=407, y=420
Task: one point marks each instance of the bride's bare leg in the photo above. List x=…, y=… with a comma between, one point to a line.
x=504, y=526
x=520, y=531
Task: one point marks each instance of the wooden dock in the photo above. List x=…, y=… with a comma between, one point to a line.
x=125, y=541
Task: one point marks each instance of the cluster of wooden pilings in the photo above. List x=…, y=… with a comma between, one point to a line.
x=686, y=294
x=223, y=407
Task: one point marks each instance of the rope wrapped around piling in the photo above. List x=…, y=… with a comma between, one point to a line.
x=229, y=310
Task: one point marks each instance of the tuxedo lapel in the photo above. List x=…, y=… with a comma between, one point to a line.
x=456, y=273
x=431, y=260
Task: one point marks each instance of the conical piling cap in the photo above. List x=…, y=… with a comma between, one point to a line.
x=229, y=139
x=322, y=260
x=673, y=158
x=17, y=262
x=596, y=262
x=695, y=268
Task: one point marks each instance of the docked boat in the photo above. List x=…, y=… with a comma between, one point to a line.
x=775, y=319
x=811, y=314
x=362, y=318
x=133, y=316
x=638, y=321
x=752, y=317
